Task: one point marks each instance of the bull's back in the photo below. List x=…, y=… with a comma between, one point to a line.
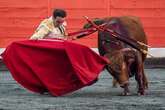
x=129, y=26
x=135, y=30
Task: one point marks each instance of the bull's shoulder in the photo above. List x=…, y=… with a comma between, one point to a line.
x=134, y=19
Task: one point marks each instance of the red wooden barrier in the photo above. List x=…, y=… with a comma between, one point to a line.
x=19, y=19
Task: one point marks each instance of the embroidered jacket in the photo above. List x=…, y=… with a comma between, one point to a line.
x=47, y=30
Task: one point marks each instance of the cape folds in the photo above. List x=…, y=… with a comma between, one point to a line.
x=54, y=66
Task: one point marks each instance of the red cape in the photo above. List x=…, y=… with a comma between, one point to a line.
x=58, y=66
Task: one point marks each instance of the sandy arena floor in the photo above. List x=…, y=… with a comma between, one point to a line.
x=100, y=96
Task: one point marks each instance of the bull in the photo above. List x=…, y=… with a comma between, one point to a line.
x=126, y=60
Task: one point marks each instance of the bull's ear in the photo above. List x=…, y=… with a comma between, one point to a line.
x=97, y=21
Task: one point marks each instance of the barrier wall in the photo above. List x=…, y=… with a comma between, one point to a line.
x=19, y=18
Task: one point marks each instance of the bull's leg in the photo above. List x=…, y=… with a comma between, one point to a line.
x=145, y=80
x=126, y=91
x=124, y=79
x=114, y=82
x=139, y=76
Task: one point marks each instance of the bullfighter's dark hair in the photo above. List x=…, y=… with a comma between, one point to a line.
x=59, y=12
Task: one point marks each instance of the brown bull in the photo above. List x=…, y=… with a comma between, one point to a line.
x=126, y=61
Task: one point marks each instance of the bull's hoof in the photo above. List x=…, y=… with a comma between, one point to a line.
x=126, y=94
x=114, y=85
x=146, y=86
x=142, y=93
x=139, y=94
